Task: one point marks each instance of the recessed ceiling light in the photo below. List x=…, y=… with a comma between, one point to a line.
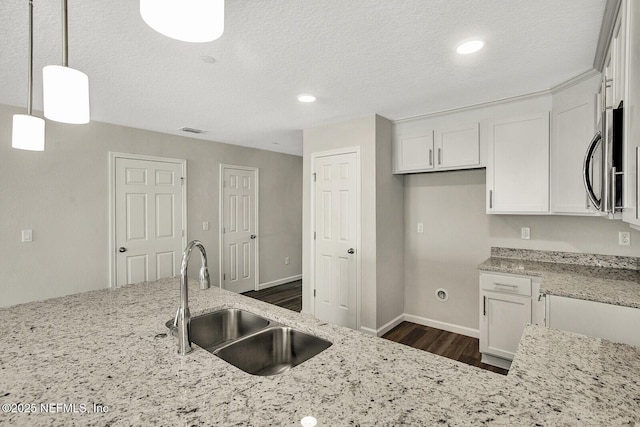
x=305, y=97
x=208, y=59
x=469, y=47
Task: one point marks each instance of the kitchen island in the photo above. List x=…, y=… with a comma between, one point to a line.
x=104, y=358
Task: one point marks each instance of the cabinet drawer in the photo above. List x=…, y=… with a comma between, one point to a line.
x=506, y=284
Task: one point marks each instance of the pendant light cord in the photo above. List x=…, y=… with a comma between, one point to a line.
x=30, y=83
x=65, y=35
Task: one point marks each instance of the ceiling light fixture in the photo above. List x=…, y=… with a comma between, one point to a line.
x=468, y=47
x=28, y=131
x=305, y=97
x=65, y=90
x=195, y=21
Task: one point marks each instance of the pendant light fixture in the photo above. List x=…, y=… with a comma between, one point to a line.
x=194, y=21
x=28, y=131
x=65, y=90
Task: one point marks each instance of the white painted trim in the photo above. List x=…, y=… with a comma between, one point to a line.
x=112, y=203
x=462, y=330
x=575, y=80
x=312, y=221
x=390, y=325
x=474, y=106
x=278, y=282
x=221, y=221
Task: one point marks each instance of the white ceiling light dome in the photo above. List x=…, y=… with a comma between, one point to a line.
x=65, y=95
x=195, y=21
x=469, y=46
x=28, y=132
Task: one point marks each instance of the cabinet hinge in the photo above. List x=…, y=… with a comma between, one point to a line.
x=314, y=293
x=314, y=235
x=224, y=276
x=224, y=230
x=314, y=177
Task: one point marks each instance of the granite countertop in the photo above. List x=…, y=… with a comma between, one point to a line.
x=109, y=348
x=606, y=279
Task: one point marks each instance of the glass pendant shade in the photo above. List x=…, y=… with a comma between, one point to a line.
x=186, y=20
x=28, y=132
x=65, y=94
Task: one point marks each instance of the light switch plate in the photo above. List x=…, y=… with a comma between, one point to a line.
x=420, y=227
x=525, y=233
x=205, y=225
x=27, y=236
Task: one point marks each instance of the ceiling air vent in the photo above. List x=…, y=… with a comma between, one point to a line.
x=191, y=130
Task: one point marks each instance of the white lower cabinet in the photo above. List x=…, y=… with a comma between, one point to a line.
x=506, y=307
x=612, y=322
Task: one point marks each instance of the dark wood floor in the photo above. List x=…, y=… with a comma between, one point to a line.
x=448, y=344
x=288, y=295
x=454, y=346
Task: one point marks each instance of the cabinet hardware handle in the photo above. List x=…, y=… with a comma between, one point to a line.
x=506, y=285
x=484, y=305
x=490, y=199
x=430, y=157
x=439, y=156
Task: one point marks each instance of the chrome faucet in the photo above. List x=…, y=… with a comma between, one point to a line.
x=183, y=317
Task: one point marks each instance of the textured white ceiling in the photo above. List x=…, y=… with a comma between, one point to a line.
x=391, y=57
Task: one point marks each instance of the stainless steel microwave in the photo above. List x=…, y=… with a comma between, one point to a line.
x=603, y=164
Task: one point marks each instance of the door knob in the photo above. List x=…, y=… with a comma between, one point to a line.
x=253, y=236
x=351, y=251
x=122, y=249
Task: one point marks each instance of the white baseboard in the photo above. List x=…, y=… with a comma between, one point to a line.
x=384, y=328
x=462, y=330
x=273, y=283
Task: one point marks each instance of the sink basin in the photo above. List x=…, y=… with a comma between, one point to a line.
x=212, y=330
x=272, y=351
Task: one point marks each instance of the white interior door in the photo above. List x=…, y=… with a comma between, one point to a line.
x=148, y=219
x=336, y=252
x=239, y=228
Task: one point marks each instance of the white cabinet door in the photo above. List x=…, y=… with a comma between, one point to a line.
x=612, y=322
x=414, y=153
x=518, y=166
x=573, y=127
x=503, y=319
x=458, y=146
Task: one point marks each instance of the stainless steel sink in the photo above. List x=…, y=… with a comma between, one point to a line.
x=272, y=351
x=215, y=329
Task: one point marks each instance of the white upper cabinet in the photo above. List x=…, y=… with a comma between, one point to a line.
x=418, y=148
x=573, y=127
x=518, y=165
x=414, y=153
x=631, y=214
x=458, y=146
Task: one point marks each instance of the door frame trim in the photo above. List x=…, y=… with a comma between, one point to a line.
x=112, y=203
x=223, y=166
x=312, y=264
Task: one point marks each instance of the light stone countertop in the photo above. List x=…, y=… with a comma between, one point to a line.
x=102, y=347
x=619, y=286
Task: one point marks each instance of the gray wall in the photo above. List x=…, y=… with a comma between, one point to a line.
x=62, y=194
x=382, y=293
x=458, y=236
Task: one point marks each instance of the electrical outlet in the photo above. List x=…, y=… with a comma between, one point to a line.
x=525, y=233
x=420, y=227
x=624, y=238
x=286, y=260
